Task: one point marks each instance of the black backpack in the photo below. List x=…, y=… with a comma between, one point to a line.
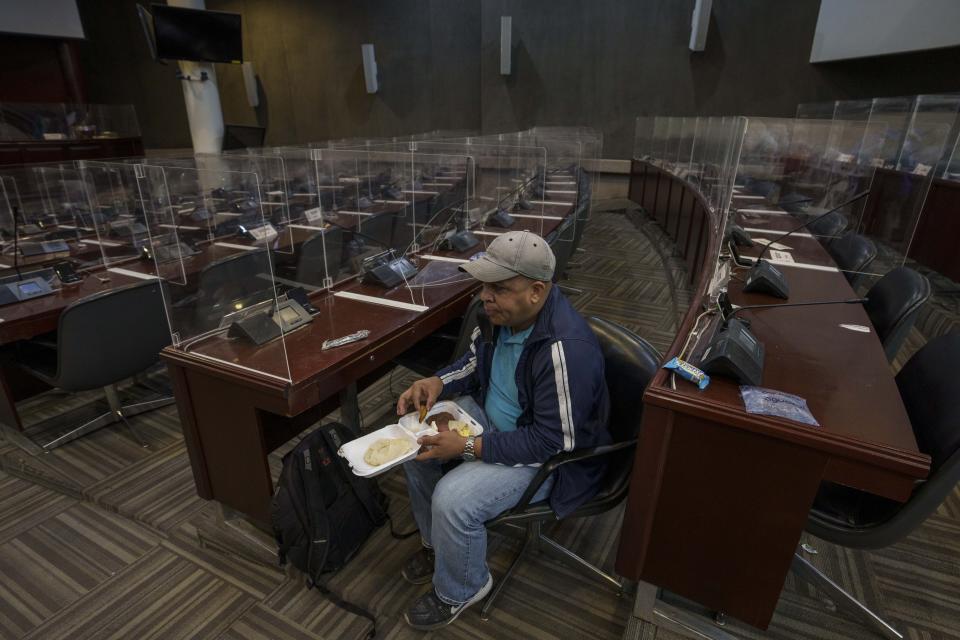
x=322, y=513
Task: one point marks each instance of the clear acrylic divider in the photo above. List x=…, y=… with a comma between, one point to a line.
x=118, y=208
x=886, y=128
x=32, y=235
x=890, y=230
x=395, y=203
x=221, y=296
x=763, y=159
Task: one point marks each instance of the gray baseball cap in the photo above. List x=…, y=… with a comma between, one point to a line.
x=515, y=253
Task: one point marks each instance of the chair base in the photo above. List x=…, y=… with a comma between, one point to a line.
x=534, y=540
x=116, y=413
x=843, y=600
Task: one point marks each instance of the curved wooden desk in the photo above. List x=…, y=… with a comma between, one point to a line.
x=719, y=497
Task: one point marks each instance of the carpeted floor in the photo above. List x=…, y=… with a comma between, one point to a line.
x=99, y=539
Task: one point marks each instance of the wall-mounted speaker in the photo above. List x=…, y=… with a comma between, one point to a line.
x=506, y=28
x=700, y=24
x=250, y=84
x=370, y=68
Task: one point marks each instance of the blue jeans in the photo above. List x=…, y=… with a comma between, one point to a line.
x=451, y=510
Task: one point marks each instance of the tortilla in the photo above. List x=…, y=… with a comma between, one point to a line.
x=385, y=450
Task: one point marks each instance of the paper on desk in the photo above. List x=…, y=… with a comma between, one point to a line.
x=781, y=256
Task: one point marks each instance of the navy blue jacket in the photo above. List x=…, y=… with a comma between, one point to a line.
x=562, y=394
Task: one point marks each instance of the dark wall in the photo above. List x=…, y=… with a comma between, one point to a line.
x=575, y=63
x=117, y=69
x=38, y=70
x=604, y=63
x=307, y=57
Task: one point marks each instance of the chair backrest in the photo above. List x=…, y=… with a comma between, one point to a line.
x=243, y=276
x=630, y=362
x=562, y=245
x=931, y=396
x=893, y=304
x=853, y=253
x=828, y=228
x=378, y=227
x=469, y=323
x=110, y=336
x=320, y=256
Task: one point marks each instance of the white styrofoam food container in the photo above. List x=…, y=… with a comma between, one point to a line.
x=409, y=428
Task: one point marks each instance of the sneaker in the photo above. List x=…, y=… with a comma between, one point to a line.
x=419, y=568
x=429, y=612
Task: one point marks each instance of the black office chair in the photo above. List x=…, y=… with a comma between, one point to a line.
x=893, y=304
x=829, y=228
x=243, y=277
x=582, y=214
x=630, y=363
x=858, y=520
x=442, y=347
x=562, y=244
x=101, y=340
x=320, y=257
x=853, y=253
x=378, y=228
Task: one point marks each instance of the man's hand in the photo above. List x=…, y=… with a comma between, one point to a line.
x=443, y=446
x=421, y=393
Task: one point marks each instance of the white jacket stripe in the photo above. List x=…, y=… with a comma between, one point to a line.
x=563, y=394
x=470, y=367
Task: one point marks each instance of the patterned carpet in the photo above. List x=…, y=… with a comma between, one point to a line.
x=99, y=539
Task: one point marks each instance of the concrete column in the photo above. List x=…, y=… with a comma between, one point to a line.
x=201, y=98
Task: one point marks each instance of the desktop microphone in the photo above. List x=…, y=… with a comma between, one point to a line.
x=735, y=310
x=764, y=277
x=734, y=351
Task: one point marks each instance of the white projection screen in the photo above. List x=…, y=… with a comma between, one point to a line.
x=52, y=18
x=849, y=29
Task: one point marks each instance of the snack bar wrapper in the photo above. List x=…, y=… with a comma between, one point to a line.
x=688, y=372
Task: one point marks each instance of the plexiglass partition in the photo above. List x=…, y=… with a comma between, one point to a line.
x=220, y=282
x=392, y=203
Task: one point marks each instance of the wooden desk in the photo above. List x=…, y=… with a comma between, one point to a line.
x=233, y=417
x=719, y=497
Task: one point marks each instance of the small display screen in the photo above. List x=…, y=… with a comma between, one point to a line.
x=29, y=288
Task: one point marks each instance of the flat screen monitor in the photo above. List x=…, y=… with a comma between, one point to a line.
x=197, y=35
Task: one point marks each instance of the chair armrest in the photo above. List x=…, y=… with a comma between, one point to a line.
x=561, y=459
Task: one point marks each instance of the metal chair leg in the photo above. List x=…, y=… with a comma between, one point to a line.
x=569, y=557
x=99, y=422
x=117, y=413
x=813, y=576
x=130, y=410
x=497, y=588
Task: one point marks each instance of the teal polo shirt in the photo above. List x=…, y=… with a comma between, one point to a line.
x=502, y=405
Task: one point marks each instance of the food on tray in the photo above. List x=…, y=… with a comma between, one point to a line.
x=460, y=427
x=440, y=421
x=386, y=449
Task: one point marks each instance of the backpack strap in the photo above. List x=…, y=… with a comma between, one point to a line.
x=375, y=512
x=319, y=525
x=319, y=511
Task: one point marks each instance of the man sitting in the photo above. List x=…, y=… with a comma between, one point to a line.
x=538, y=388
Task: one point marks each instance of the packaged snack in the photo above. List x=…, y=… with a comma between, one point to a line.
x=688, y=372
